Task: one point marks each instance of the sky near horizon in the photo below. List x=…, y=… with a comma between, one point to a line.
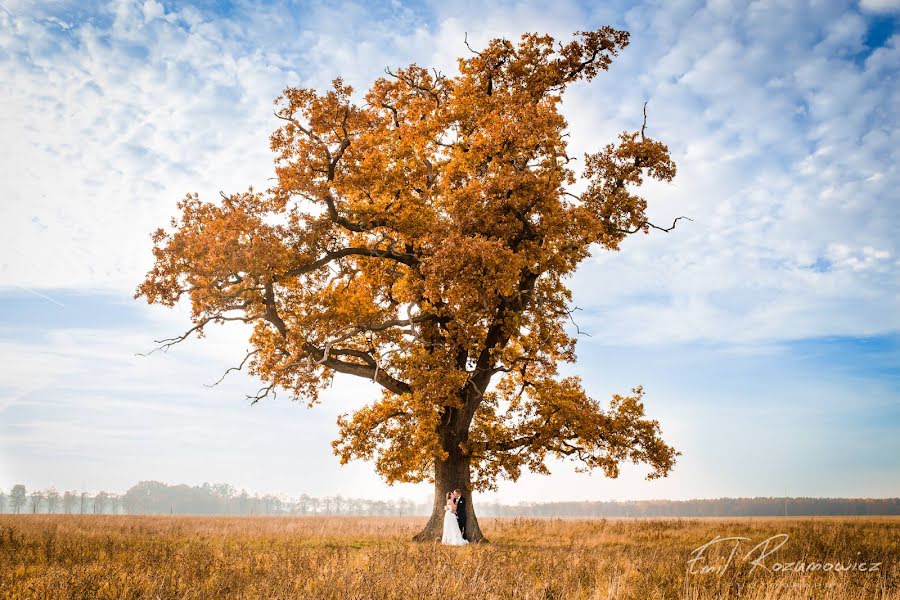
x=766, y=332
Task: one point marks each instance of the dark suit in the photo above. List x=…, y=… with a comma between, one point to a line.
x=461, y=515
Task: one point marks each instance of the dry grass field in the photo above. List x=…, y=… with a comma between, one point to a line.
x=59, y=556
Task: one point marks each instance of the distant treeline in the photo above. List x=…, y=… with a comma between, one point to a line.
x=717, y=507
x=154, y=497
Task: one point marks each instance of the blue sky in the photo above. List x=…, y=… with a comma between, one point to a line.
x=766, y=332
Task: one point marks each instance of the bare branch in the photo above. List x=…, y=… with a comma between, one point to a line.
x=305, y=131
x=667, y=229
x=644, y=125
x=237, y=368
x=262, y=393
x=649, y=224
x=167, y=343
x=577, y=328
x=466, y=41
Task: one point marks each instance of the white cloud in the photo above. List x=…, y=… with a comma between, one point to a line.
x=786, y=151
x=107, y=128
x=783, y=134
x=82, y=399
x=880, y=6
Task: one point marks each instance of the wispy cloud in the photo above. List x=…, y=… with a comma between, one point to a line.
x=880, y=6
x=781, y=118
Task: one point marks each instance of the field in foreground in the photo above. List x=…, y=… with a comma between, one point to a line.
x=61, y=556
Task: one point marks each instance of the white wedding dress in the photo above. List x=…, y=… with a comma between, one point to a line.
x=452, y=536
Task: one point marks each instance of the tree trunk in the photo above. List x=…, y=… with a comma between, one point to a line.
x=449, y=475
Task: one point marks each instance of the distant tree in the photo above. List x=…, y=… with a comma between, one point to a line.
x=224, y=490
x=101, y=502
x=18, y=496
x=3, y=501
x=84, y=498
x=402, y=506
x=157, y=497
x=37, y=497
x=116, y=503
x=52, y=500
x=69, y=500
x=148, y=497
x=303, y=504
x=356, y=506
x=244, y=502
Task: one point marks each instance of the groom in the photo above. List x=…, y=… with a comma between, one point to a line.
x=460, y=511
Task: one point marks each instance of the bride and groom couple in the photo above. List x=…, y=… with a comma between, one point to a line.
x=454, y=520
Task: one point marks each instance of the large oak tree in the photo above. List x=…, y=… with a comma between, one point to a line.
x=421, y=239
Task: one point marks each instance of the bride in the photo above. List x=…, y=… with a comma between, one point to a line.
x=452, y=535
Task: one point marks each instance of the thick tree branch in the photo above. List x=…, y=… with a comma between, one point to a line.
x=367, y=371
x=522, y=441
x=406, y=258
x=323, y=358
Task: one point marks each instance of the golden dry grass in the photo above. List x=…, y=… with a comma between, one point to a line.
x=57, y=556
